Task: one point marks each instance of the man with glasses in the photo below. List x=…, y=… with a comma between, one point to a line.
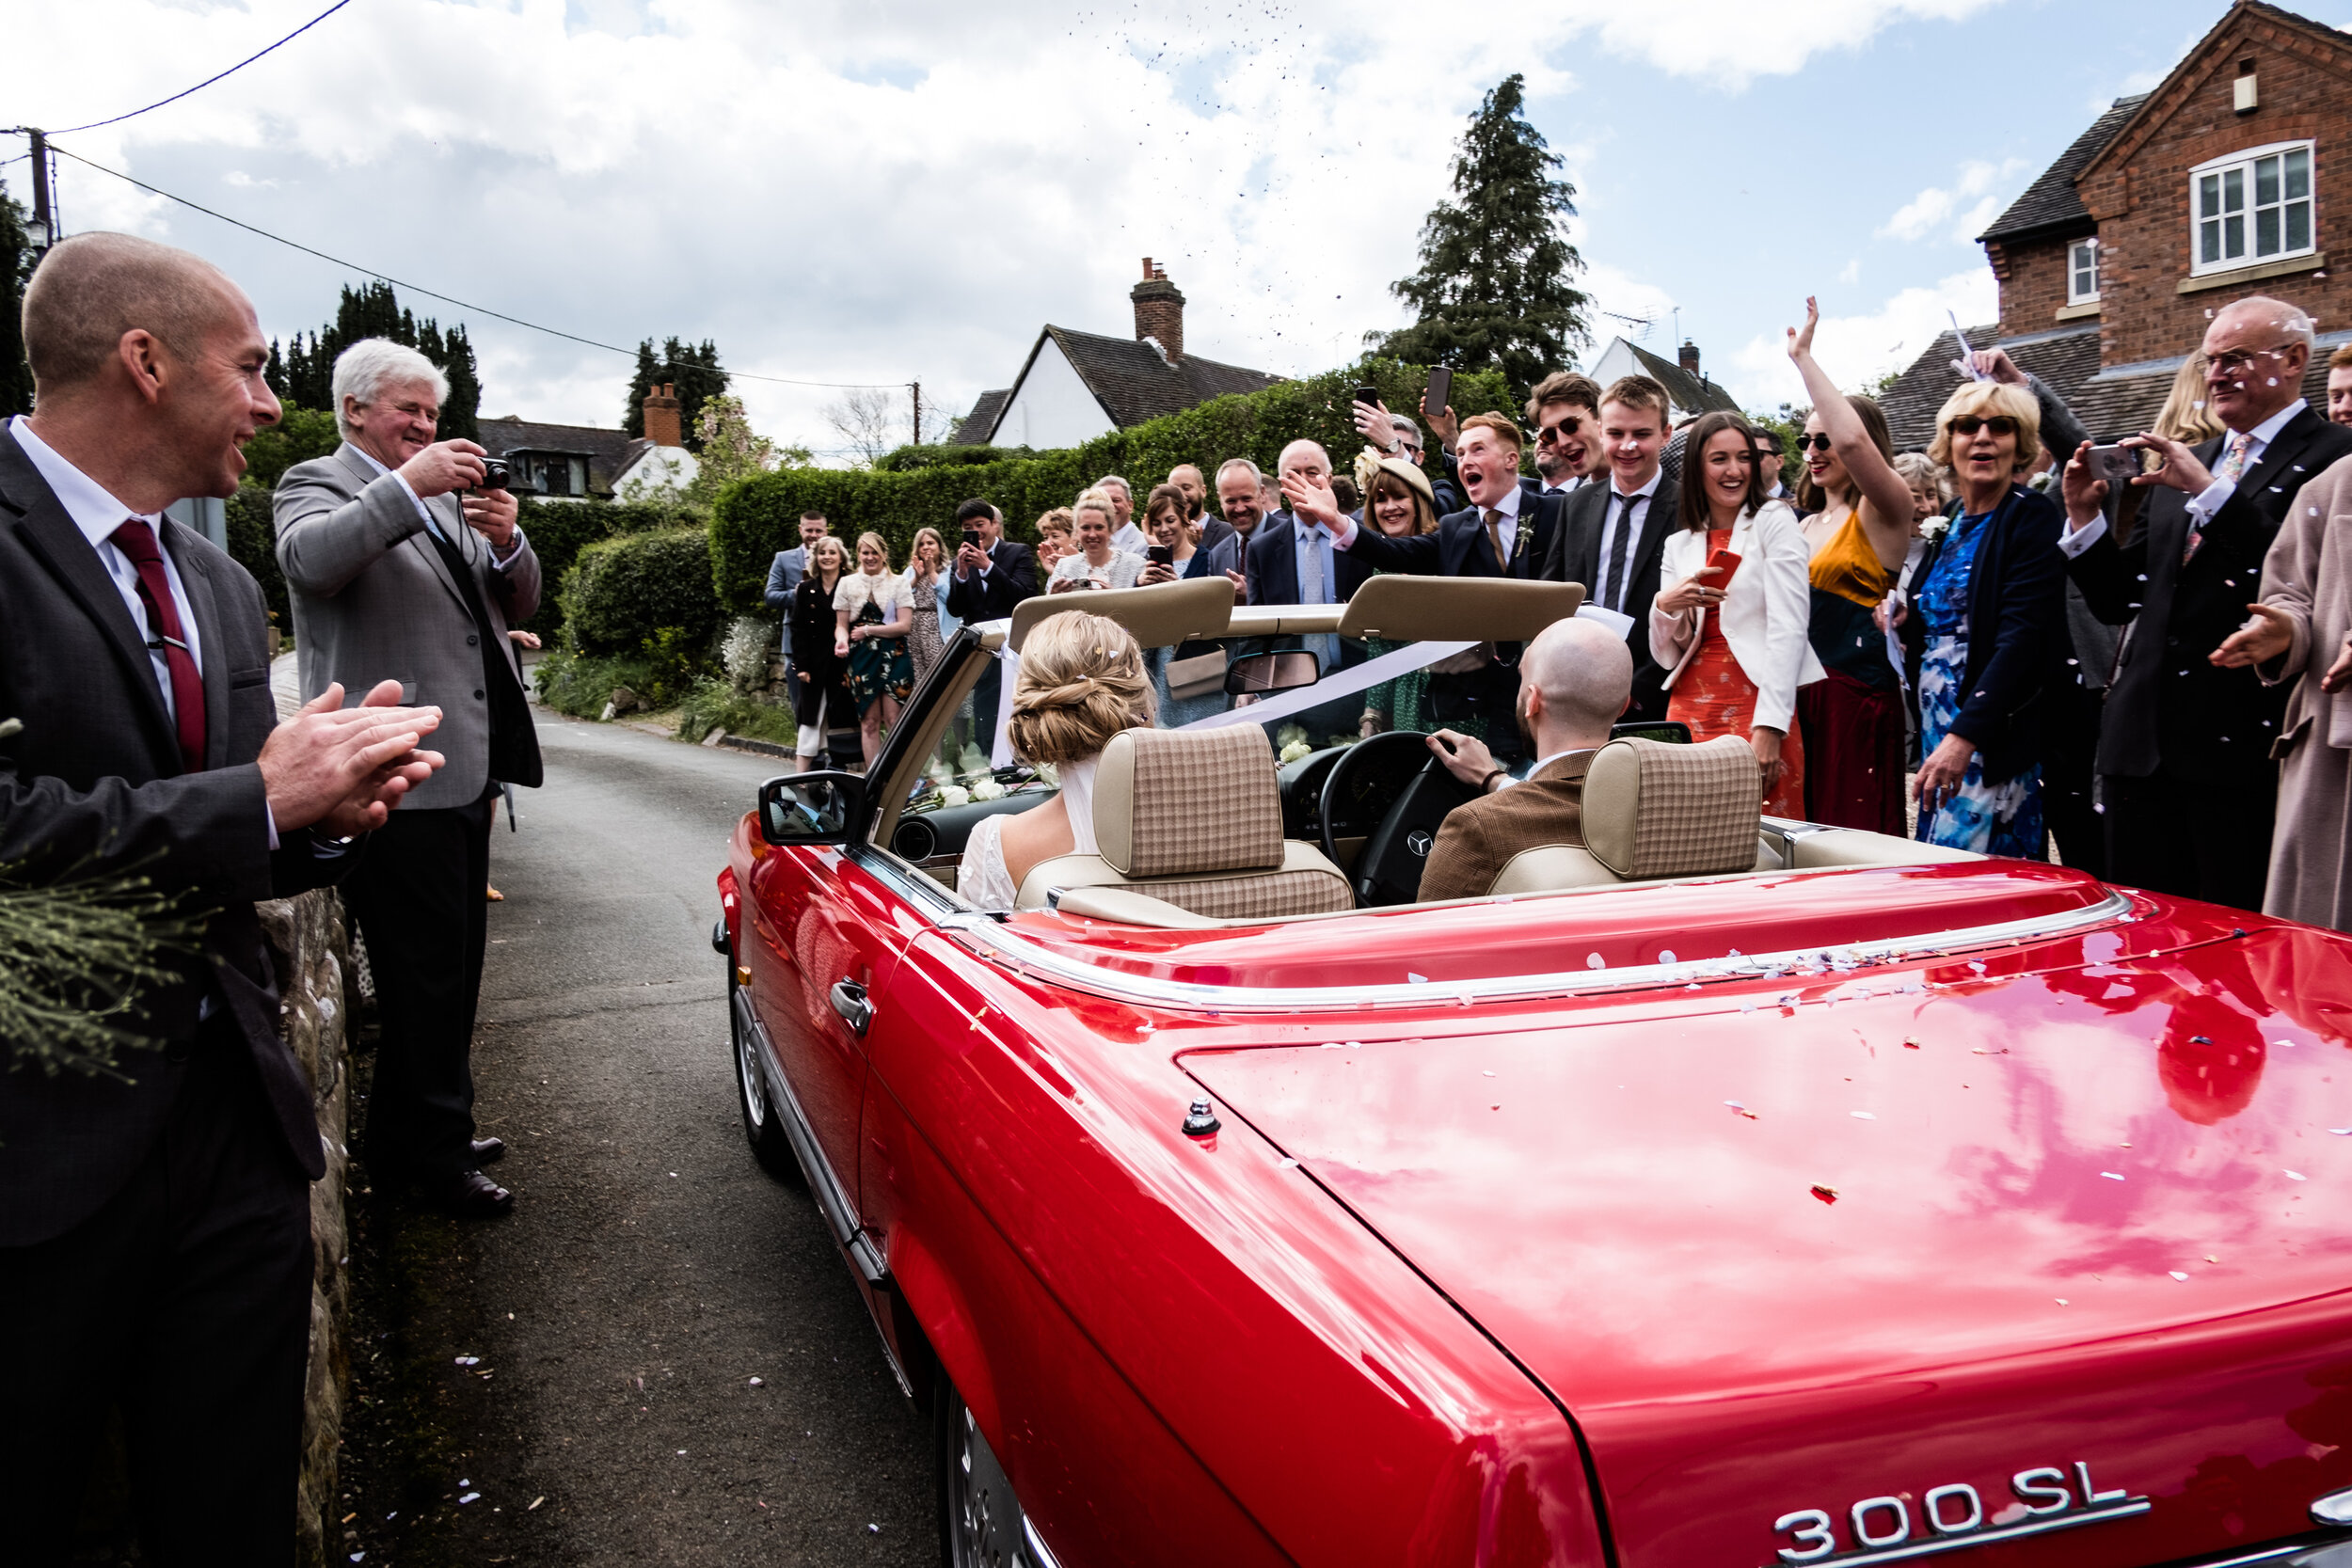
x=1564, y=409
x=2185, y=765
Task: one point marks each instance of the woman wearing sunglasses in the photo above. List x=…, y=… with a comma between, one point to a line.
x=1991, y=596
x=1859, y=532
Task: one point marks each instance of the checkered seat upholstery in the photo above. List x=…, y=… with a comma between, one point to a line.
x=1653, y=811
x=1193, y=818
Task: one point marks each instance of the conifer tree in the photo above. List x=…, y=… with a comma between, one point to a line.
x=304, y=372
x=16, y=266
x=692, y=369
x=1494, y=289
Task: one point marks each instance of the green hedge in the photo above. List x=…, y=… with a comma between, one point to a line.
x=623, y=593
x=253, y=544
x=558, y=530
x=756, y=516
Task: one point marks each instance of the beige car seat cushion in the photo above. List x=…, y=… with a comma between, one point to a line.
x=1653, y=809
x=1172, y=803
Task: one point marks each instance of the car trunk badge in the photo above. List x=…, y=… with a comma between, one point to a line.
x=1952, y=1518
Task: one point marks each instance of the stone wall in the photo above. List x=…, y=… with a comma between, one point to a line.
x=319, y=991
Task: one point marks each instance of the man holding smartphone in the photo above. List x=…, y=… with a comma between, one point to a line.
x=992, y=575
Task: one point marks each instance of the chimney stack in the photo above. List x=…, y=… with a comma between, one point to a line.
x=662, y=426
x=1159, y=312
x=1690, y=357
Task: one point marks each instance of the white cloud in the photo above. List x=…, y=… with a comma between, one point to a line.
x=835, y=192
x=1851, y=273
x=1933, y=207
x=1855, y=350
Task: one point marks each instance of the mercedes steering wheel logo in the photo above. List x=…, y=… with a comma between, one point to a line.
x=1418, y=841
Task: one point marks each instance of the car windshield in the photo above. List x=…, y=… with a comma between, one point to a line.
x=1361, y=687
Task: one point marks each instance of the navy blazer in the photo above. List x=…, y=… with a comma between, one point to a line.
x=1273, y=569
x=989, y=596
x=1459, y=549
x=2017, y=639
x=2169, y=710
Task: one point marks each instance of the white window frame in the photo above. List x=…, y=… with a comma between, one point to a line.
x=2242, y=164
x=2073, y=294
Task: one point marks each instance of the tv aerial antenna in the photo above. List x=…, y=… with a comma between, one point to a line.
x=1637, y=326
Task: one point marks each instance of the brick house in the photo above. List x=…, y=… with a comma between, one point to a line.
x=2218, y=185
x=1076, y=385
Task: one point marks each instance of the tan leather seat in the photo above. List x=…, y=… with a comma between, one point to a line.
x=1652, y=811
x=1854, y=846
x=1194, y=818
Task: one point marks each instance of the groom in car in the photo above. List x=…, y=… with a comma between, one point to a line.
x=1575, y=680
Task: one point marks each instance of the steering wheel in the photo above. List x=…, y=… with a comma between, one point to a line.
x=1391, y=793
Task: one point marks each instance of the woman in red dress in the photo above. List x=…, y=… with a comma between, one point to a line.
x=1732, y=637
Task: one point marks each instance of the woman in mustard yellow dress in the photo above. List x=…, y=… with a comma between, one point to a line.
x=1860, y=532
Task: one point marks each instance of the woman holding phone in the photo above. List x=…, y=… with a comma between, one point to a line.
x=1094, y=519
x=1175, y=555
x=925, y=642
x=1731, y=631
x=1400, y=504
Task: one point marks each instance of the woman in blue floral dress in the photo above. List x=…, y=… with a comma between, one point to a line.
x=1991, y=602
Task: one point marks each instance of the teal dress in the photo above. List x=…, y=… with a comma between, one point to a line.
x=879, y=666
x=1991, y=820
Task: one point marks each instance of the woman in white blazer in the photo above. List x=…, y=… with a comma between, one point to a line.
x=1736, y=653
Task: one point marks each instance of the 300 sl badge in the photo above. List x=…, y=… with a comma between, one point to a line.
x=1952, y=1517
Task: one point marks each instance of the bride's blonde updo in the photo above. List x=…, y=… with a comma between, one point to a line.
x=1082, y=682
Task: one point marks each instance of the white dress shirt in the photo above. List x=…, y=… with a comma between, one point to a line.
x=97, y=514
x=2204, y=505
x=1131, y=539
x=1615, y=517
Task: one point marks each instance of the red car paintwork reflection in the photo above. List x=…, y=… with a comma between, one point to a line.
x=1513, y=1283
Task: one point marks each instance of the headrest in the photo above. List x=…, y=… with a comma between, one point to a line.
x=1652, y=809
x=1184, y=803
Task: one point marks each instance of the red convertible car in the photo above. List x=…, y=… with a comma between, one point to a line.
x=1847, y=1200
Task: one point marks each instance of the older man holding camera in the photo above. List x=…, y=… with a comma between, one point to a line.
x=392, y=572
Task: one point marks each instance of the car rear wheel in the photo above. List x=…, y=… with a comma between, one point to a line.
x=980, y=1522
x=762, y=1128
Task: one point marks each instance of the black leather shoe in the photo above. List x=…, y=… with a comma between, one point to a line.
x=469, y=1195
x=487, y=1149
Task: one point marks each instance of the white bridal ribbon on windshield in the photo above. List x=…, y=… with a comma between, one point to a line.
x=1274, y=710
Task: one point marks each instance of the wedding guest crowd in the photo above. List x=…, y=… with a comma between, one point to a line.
x=1921, y=643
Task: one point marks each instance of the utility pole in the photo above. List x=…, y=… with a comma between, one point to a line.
x=44, y=217
x=917, y=387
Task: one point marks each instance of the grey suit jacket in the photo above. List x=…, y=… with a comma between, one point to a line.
x=374, y=600
x=784, y=576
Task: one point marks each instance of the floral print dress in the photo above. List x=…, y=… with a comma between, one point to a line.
x=1991, y=820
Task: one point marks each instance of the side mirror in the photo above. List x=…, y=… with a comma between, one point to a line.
x=810, y=808
x=1261, y=674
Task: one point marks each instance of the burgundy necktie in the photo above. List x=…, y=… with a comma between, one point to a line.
x=136, y=541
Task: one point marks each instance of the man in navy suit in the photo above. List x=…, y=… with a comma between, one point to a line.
x=1504, y=532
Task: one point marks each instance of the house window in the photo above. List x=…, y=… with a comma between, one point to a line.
x=2252, y=207
x=2082, y=273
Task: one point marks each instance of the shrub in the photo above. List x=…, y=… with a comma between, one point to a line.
x=253, y=544
x=299, y=434
x=745, y=651
x=623, y=593
x=714, y=702
x=558, y=530
x=758, y=516
x=907, y=460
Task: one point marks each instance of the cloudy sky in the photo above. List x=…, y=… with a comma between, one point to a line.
x=884, y=192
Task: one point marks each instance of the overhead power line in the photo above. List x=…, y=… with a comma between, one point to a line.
x=446, y=299
x=208, y=81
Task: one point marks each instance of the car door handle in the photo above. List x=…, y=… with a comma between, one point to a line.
x=849, y=1000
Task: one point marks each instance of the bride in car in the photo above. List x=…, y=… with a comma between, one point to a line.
x=1082, y=681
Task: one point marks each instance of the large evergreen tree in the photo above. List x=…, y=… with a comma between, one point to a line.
x=1493, y=291
x=304, y=372
x=692, y=369
x=16, y=266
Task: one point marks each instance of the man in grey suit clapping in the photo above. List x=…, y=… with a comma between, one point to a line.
x=391, y=572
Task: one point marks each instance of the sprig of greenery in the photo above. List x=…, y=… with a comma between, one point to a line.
x=76, y=955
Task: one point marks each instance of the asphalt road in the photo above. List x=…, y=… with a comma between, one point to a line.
x=668, y=1351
